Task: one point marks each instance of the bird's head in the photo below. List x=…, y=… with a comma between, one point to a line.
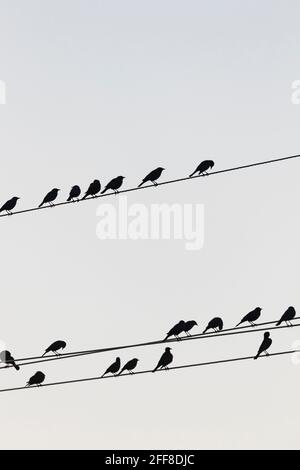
x=168, y=349
x=118, y=359
x=267, y=334
x=56, y=189
x=123, y=177
x=16, y=198
x=194, y=323
x=63, y=344
x=212, y=163
x=258, y=309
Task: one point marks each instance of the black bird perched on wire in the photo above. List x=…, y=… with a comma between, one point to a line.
x=176, y=330
x=203, y=167
x=9, y=205
x=36, y=379
x=114, y=184
x=114, y=368
x=93, y=189
x=130, y=365
x=5, y=356
x=188, y=325
x=152, y=176
x=54, y=347
x=214, y=324
x=288, y=315
x=74, y=193
x=251, y=317
x=50, y=197
x=264, y=345
x=165, y=360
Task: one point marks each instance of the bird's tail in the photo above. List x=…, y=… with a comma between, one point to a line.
x=166, y=338
x=205, y=330
x=154, y=370
x=192, y=174
x=279, y=323
x=69, y=199
x=255, y=357
x=104, y=190
x=141, y=184
x=85, y=196
x=16, y=366
x=41, y=204
x=44, y=353
x=238, y=324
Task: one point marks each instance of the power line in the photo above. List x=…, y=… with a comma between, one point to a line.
x=178, y=180
x=225, y=332
x=185, y=366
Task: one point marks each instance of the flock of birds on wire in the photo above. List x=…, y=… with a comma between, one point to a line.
x=95, y=187
x=166, y=359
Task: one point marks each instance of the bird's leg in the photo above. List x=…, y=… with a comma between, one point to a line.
x=155, y=183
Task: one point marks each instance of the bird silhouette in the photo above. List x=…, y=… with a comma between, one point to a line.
x=36, y=379
x=165, y=360
x=74, y=193
x=251, y=317
x=214, y=324
x=6, y=357
x=50, y=197
x=114, y=184
x=264, y=345
x=152, y=176
x=130, y=365
x=54, y=347
x=203, y=167
x=188, y=325
x=114, y=368
x=288, y=315
x=176, y=330
x=93, y=189
x=10, y=205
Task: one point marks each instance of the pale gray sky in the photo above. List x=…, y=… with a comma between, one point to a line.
x=102, y=88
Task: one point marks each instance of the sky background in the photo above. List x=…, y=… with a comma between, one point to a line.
x=97, y=89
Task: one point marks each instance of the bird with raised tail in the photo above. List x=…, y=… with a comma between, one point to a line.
x=37, y=379
x=203, y=167
x=288, y=315
x=152, y=176
x=264, y=345
x=114, y=184
x=114, y=368
x=215, y=324
x=165, y=360
x=251, y=317
x=9, y=205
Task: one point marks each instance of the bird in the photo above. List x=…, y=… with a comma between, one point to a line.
x=251, y=317
x=54, y=347
x=114, y=184
x=203, y=167
x=93, y=189
x=215, y=324
x=9, y=205
x=36, y=379
x=264, y=345
x=176, y=330
x=165, y=360
x=130, y=365
x=288, y=315
x=114, y=368
x=74, y=193
x=152, y=176
x=188, y=325
x=5, y=356
x=50, y=197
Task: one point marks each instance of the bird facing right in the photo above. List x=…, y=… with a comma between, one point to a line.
x=114, y=184
x=74, y=194
x=152, y=176
x=165, y=360
x=264, y=345
x=251, y=317
x=288, y=315
x=214, y=324
x=9, y=205
x=36, y=379
x=114, y=368
x=50, y=197
x=129, y=366
x=54, y=347
x=176, y=330
x=93, y=189
x=6, y=357
x=203, y=167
